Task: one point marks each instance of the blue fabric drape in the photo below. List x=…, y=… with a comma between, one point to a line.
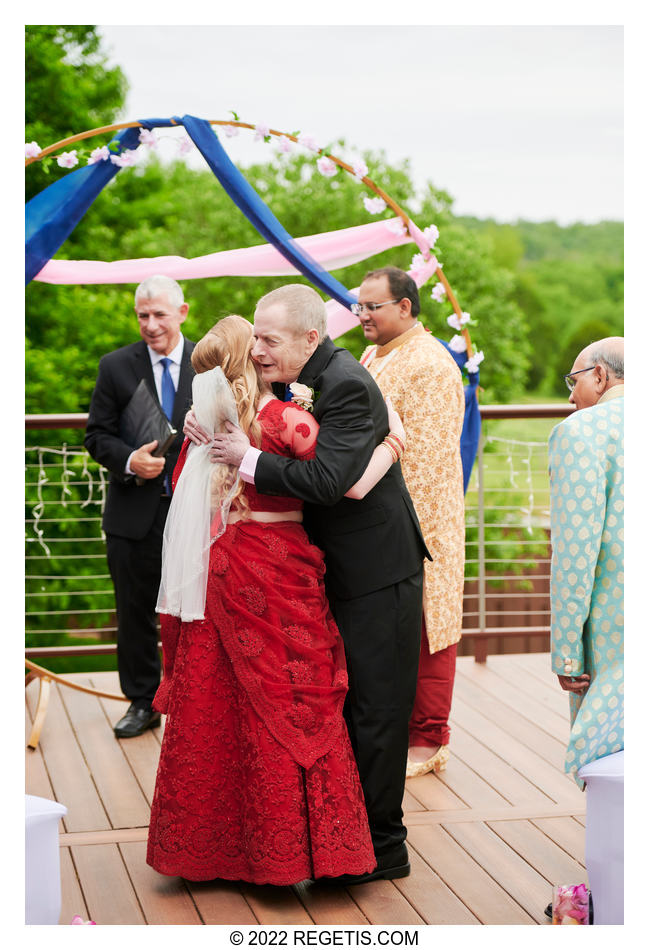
x=257, y=212
x=52, y=215
x=472, y=421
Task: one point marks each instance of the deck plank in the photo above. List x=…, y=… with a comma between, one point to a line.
x=523, y=883
x=525, y=703
x=275, y=905
x=72, y=900
x=550, y=748
x=568, y=833
x=110, y=897
x=484, y=897
x=429, y=895
x=383, y=903
x=546, y=690
x=487, y=837
x=495, y=771
x=554, y=784
x=142, y=753
x=120, y=793
x=434, y=794
x=221, y=902
x=464, y=778
x=550, y=860
x=36, y=777
x=164, y=900
x=328, y=905
x=70, y=774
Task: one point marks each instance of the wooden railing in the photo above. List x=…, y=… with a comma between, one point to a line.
x=482, y=629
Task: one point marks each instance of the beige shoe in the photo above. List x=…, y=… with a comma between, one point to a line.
x=436, y=763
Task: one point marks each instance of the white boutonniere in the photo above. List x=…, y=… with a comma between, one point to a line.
x=302, y=396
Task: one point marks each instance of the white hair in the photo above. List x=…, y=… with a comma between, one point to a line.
x=160, y=284
x=304, y=307
x=610, y=352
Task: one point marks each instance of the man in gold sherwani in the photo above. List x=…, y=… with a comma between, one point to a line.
x=425, y=386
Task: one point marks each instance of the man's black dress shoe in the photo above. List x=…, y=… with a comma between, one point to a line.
x=136, y=721
x=388, y=866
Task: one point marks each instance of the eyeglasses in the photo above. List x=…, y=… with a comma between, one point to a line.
x=357, y=308
x=570, y=382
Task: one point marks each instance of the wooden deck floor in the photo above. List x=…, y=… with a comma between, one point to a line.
x=488, y=837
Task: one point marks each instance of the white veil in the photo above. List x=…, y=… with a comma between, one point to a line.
x=196, y=518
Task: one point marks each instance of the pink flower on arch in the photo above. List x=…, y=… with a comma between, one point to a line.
x=458, y=322
x=231, y=130
x=261, y=131
x=397, y=227
x=185, y=145
x=360, y=168
x=285, y=144
x=457, y=344
x=147, y=137
x=68, y=159
x=431, y=233
x=374, y=205
x=99, y=155
x=125, y=160
x=326, y=167
x=308, y=141
x=438, y=292
x=32, y=149
x=474, y=361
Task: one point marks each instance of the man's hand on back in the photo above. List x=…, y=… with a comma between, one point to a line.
x=229, y=447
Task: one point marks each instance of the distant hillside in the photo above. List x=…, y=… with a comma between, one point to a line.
x=543, y=240
x=569, y=284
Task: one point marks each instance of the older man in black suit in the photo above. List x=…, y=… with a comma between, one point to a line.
x=139, y=489
x=373, y=547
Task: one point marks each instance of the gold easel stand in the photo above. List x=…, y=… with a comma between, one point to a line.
x=45, y=677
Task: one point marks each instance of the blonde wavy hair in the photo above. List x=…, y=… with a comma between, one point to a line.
x=228, y=344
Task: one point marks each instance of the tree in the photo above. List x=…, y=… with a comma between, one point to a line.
x=69, y=89
x=154, y=210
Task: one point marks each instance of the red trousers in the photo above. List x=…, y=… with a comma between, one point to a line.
x=430, y=714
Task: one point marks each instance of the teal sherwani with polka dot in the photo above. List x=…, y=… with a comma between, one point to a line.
x=586, y=458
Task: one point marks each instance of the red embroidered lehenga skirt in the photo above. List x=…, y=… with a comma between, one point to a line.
x=257, y=780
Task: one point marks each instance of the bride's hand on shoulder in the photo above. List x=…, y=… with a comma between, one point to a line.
x=394, y=419
x=193, y=431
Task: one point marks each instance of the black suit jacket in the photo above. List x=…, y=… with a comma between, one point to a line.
x=130, y=508
x=371, y=543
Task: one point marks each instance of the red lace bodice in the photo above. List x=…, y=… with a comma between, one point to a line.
x=292, y=432
x=286, y=430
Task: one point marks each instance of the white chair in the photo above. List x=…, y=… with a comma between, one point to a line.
x=42, y=860
x=605, y=836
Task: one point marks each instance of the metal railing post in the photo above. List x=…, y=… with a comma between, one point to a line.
x=480, y=650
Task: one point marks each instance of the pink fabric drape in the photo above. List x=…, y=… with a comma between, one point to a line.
x=332, y=249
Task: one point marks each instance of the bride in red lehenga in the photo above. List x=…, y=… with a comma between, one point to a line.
x=257, y=780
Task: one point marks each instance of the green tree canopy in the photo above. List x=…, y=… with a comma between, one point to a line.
x=69, y=89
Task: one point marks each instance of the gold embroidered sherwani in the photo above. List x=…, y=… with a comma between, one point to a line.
x=425, y=386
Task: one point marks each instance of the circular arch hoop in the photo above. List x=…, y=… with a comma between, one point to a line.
x=63, y=143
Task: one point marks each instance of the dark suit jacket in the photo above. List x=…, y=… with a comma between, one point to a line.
x=130, y=508
x=371, y=543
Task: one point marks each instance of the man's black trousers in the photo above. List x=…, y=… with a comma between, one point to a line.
x=135, y=569
x=382, y=635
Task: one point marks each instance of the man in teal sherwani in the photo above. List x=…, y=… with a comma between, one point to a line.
x=586, y=457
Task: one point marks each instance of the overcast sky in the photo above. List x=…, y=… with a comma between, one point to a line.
x=513, y=121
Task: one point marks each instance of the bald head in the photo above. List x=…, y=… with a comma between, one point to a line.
x=599, y=366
